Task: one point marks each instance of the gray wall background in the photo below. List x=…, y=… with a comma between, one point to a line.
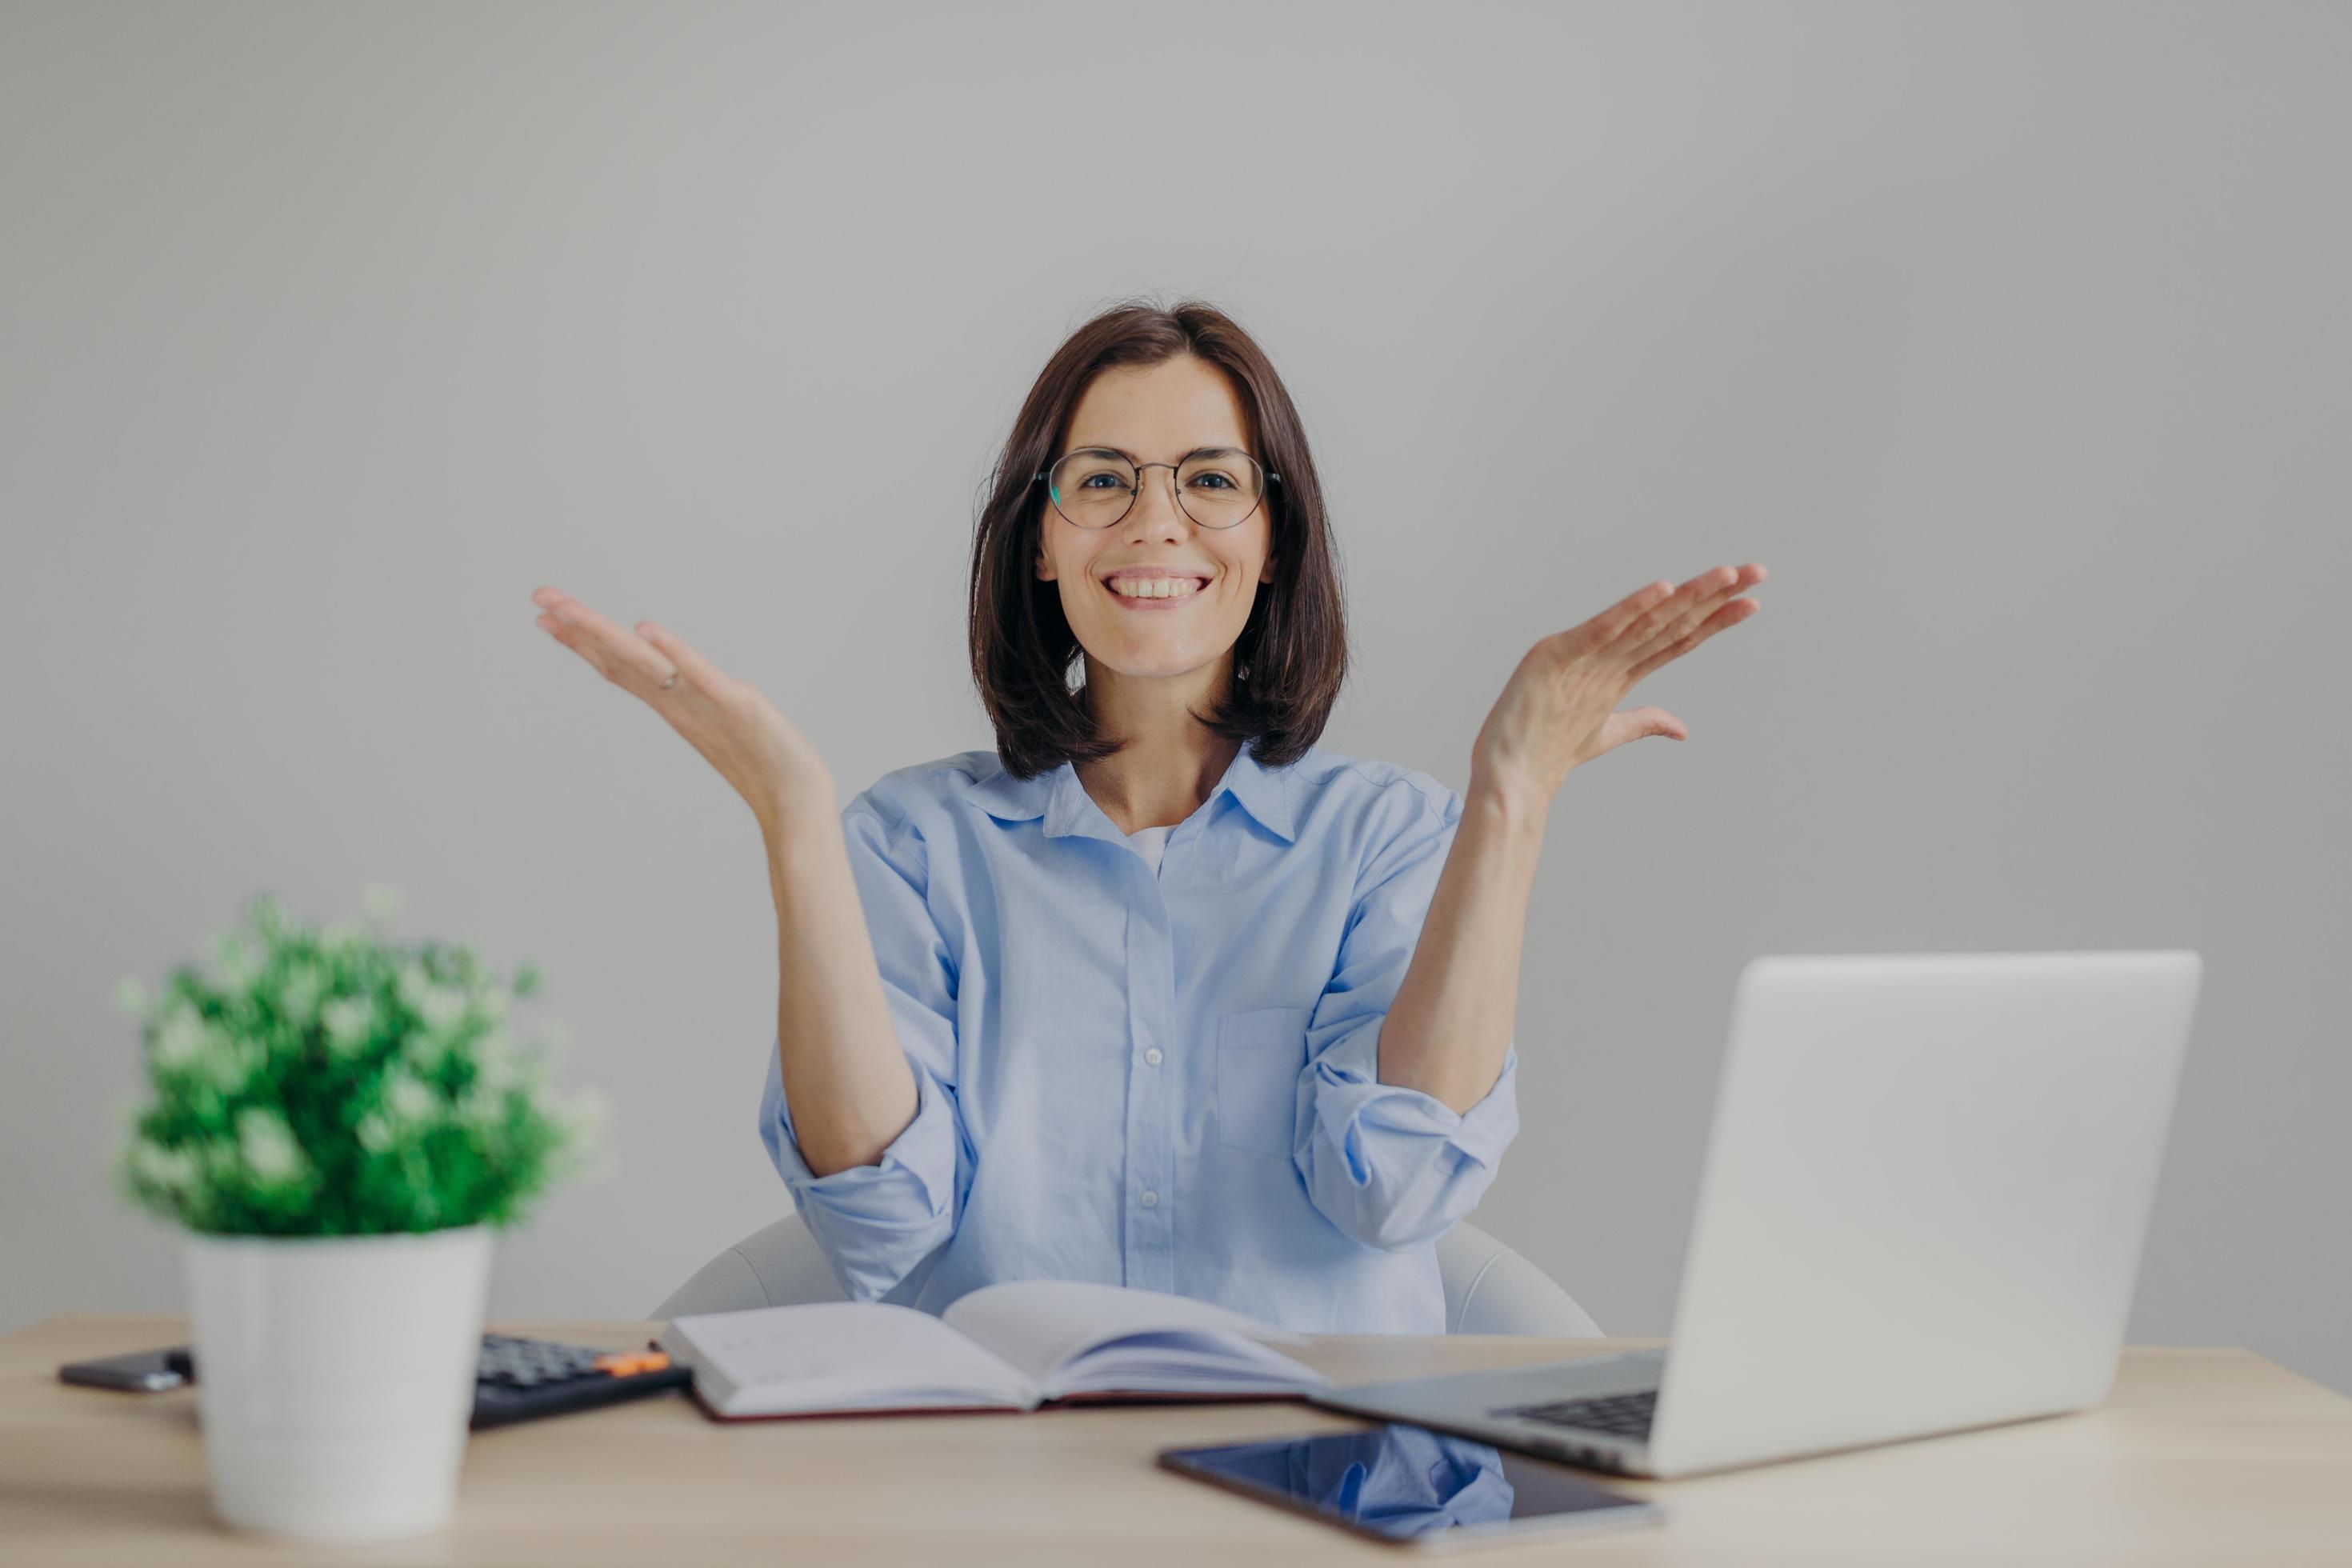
x=2012, y=339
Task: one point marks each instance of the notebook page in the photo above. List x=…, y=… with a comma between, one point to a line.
x=1183, y=1363
x=1041, y=1325
x=840, y=1355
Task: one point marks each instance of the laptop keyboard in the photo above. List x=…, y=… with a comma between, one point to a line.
x=1619, y=1414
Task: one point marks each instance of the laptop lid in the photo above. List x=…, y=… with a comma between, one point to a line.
x=1923, y=1199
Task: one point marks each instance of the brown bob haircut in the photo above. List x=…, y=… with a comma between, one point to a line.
x=1292, y=654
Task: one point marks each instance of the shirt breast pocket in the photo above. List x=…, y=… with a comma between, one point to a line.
x=1260, y=1055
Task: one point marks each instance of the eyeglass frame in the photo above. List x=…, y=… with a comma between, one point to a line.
x=1174, y=469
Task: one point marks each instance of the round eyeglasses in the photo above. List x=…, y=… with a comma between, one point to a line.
x=1216, y=487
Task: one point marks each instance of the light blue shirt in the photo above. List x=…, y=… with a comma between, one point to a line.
x=1165, y=1080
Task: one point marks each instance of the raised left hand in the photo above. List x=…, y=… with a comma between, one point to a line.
x=1558, y=709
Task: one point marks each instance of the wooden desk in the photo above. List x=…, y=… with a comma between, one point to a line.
x=2198, y=1456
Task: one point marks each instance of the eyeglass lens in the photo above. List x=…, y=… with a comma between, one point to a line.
x=1095, y=489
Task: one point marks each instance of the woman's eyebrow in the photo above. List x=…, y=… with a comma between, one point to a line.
x=1107, y=446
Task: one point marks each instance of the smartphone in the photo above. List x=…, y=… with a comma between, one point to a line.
x=141, y=1372
x=1409, y=1485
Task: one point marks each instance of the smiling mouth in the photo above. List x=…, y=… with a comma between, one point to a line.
x=1155, y=588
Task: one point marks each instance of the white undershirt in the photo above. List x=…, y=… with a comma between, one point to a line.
x=1151, y=841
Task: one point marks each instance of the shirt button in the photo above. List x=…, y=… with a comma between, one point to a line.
x=1150, y=1198
x=1153, y=1056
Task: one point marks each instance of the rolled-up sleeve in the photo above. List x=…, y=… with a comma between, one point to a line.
x=1391, y=1166
x=877, y=1222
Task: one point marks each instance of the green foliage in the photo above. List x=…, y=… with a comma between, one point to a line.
x=330, y=1081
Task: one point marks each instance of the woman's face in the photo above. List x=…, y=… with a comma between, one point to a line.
x=1156, y=414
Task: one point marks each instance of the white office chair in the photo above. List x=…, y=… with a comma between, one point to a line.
x=1489, y=1288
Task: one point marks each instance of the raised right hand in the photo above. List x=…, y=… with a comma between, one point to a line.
x=1558, y=710
x=738, y=731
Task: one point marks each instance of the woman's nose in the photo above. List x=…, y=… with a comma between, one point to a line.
x=1155, y=514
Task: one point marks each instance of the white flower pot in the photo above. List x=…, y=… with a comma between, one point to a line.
x=335, y=1377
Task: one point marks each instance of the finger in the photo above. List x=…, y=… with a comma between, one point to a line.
x=1730, y=614
x=625, y=658
x=1655, y=722
x=1661, y=611
x=691, y=667
x=1611, y=622
x=565, y=630
x=1634, y=724
x=1700, y=598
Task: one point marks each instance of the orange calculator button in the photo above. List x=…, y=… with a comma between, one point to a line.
x=624, y=1363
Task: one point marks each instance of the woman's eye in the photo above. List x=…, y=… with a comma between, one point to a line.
x=1088, y=482
x=1222, y=483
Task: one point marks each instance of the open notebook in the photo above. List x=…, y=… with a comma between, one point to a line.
x=1003, y=1347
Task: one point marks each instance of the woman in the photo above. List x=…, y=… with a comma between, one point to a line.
x=1156, y=992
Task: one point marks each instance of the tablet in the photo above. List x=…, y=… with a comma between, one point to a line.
x=1409, y=1485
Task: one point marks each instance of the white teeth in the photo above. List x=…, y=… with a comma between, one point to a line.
x=1154, y=587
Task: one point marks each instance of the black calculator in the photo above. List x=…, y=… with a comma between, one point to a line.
x=520, y=1379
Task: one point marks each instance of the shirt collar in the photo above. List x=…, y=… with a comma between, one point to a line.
x=1058, y=797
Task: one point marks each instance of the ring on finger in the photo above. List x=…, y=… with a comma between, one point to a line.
x=671, y=682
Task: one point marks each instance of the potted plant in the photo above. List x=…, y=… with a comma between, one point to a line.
x=338, y=1121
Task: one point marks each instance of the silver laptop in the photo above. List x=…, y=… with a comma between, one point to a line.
x=1921, y=1210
